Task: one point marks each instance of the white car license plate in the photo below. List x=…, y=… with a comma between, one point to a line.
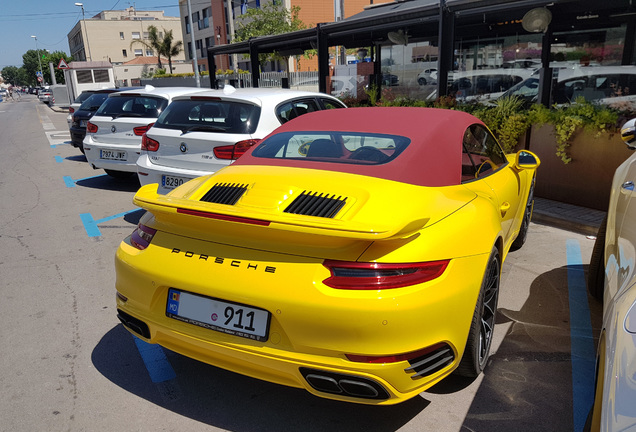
x=170, y=182
x=222, y=316
x=83, y=123
x=112, y=155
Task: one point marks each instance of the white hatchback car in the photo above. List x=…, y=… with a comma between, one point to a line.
x=612, y=278
x=199, y=134
x=114, y=133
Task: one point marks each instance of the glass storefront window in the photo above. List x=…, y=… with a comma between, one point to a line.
x=410, y=70
x=483, y=69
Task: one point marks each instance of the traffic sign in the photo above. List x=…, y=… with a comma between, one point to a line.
x=62, y=64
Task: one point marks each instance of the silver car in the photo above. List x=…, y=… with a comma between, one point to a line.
x=612, y=279
x=114, y=133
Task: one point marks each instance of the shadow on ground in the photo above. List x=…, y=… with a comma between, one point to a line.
x=106, y=182
x=235, y=402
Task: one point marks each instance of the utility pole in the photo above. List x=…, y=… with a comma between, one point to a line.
x=85, y=31
x=194, y=48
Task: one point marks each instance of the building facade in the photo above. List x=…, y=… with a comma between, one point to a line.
x=107, y=36
x=213, y=26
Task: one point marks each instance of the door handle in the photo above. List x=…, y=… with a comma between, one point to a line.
x=504, y=208
x=628, y=185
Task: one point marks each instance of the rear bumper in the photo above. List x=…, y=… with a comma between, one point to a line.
x=312, y=326
x=92, y=150
x=77, y=136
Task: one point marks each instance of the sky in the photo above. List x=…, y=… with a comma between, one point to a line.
x=52, y=20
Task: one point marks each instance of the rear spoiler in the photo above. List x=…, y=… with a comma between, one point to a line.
x=211, y=217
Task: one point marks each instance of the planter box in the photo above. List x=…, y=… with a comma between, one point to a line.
x=587, y=180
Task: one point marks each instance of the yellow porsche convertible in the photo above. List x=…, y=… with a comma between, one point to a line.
x=354, y=253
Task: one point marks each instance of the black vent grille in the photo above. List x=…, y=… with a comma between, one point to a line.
x=225, y=193
x=431, y=362
x=315, y=204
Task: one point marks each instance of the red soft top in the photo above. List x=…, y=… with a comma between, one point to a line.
x=433, y=158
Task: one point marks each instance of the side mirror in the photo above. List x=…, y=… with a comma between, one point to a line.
x=526, y=160
x=628, y=134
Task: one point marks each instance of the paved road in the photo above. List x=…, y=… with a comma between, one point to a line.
x=68, y=365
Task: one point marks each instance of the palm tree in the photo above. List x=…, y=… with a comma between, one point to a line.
x=169, y=49
x=155, y=43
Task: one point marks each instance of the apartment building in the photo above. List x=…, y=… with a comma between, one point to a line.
x=208, y=24
x=107, y=36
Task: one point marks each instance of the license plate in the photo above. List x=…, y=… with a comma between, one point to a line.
x=170, y=182
x=83, y=123
x=219, y=315
x=112, y=155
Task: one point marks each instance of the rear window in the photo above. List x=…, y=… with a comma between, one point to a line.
x=132, y=106
x=83, y=96
x=210, y=116
x=340, y=147
x=94, y=101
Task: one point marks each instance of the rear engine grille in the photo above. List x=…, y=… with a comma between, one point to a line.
x=315, y=204
x=431, y=362
x=225, y=193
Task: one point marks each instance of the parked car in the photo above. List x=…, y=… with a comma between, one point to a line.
x=610, y=85
x=114, y=132
x=427, y=76
x=326, y=245
x=76, y=104
x=612, y=279
x=45, y=96
x=198, y=134
x=483, y=85
x=86, y=110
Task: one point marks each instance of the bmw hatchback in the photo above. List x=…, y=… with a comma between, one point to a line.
x=114, y=133
x=200, y=133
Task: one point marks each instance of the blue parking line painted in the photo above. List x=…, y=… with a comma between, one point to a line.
x=59, y=159
x=581, y=337
x=90, y=224
x=158, y=366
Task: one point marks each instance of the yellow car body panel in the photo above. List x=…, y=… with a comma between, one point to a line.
x=254, y=253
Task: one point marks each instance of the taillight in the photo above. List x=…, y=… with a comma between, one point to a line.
x=71, y=110
x=233, y=152
x=91, y=128
x=373, y=276
x=142, y=236
x=141, y=130
x=149, y=144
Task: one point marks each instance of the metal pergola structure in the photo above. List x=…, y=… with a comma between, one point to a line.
x=443, y=21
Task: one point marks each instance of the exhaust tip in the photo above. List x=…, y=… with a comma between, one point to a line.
x=134, y=324
x=344, y=384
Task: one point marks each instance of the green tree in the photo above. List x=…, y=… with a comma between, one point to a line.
x=155, y=43
x=271, y=19
x=10, y=74
x=169, y=48
x=55, y=58
x=161, y=45
x=31, y=61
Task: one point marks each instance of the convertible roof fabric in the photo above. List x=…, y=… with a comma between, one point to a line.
x=433, y=158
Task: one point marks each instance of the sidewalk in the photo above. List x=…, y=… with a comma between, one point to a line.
x=567, y=216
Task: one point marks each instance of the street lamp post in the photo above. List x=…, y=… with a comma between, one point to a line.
x=38, y=54
x=85, y=30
